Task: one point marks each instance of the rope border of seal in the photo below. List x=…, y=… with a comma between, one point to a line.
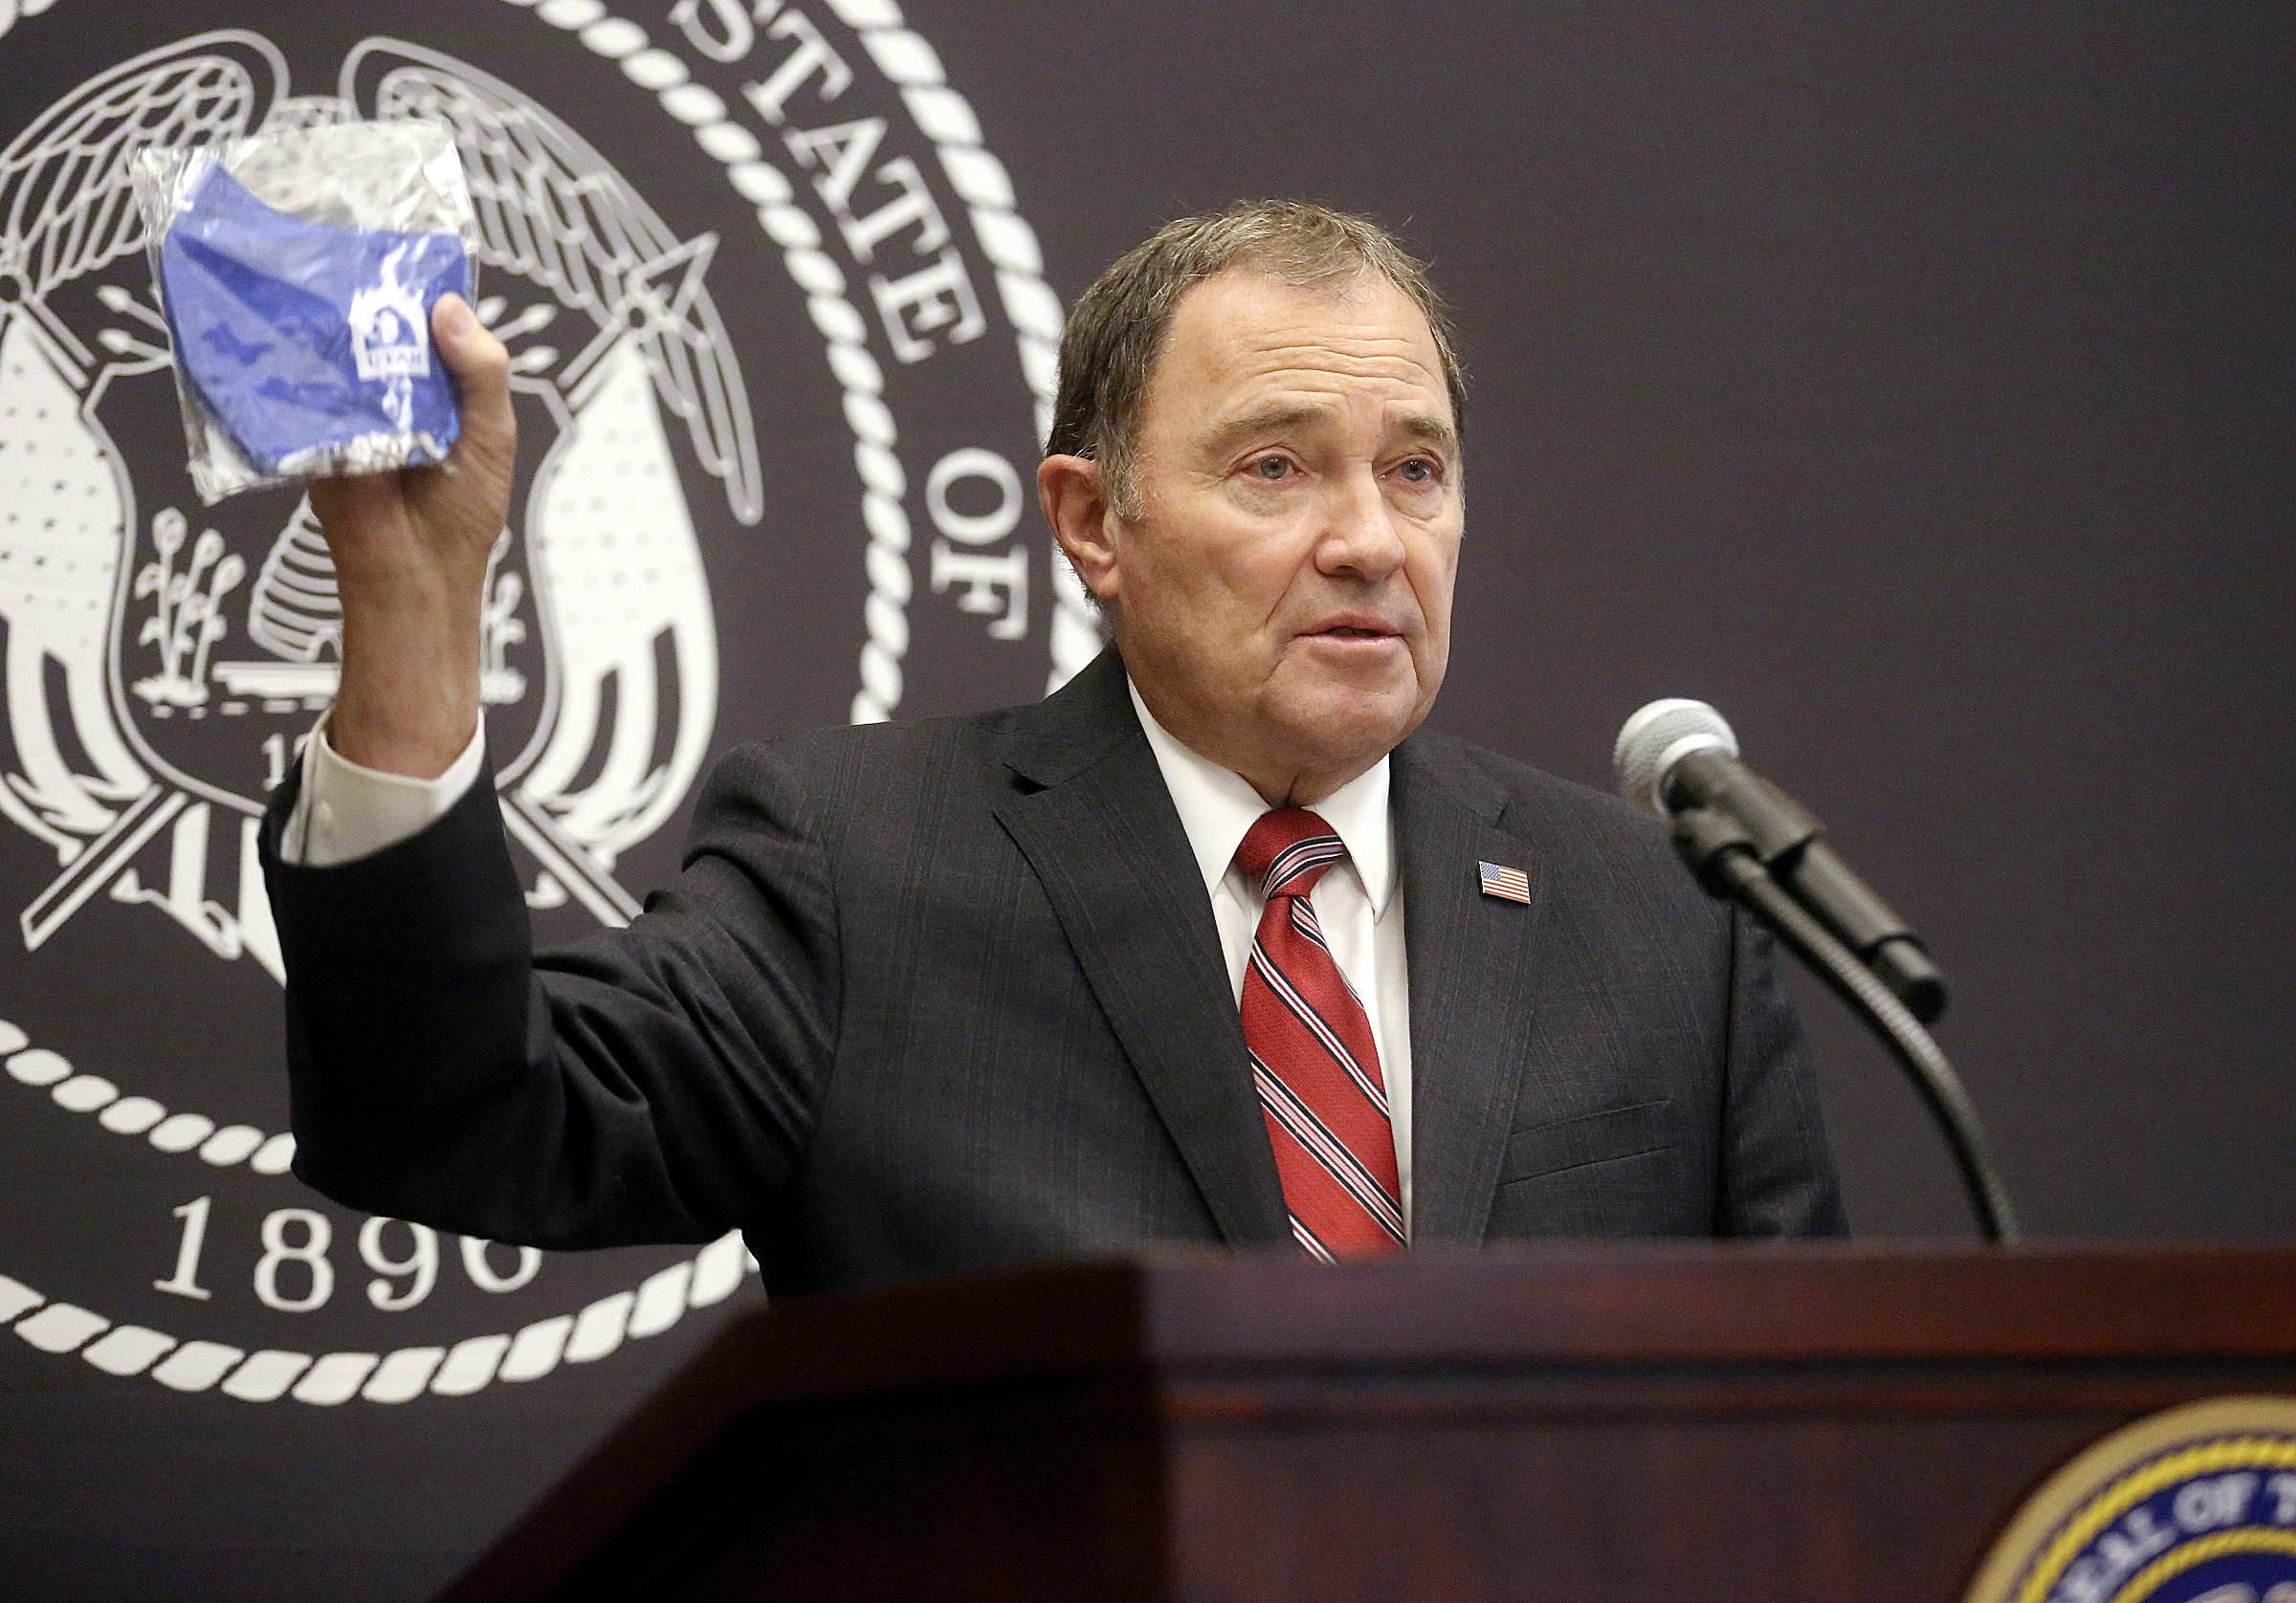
x=327, y=1378
x=224, y=1146
x=13, y=10
x=1005, y=238
x=528, y=1353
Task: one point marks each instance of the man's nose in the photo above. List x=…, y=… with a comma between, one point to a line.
x=1359, y=536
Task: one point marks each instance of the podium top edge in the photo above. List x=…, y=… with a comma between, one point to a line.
x=1561, y=1304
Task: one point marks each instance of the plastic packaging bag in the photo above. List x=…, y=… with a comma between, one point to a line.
x=298, y=270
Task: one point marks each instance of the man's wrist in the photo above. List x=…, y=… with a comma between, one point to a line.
x=348, y=810
x=406, y=707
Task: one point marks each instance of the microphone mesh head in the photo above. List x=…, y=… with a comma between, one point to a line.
x=1656, y=738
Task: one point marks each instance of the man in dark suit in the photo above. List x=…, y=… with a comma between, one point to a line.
x=1209, y=946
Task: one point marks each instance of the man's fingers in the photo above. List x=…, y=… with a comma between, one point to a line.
x=378, y=522
x=466, y=503
x=480, y=364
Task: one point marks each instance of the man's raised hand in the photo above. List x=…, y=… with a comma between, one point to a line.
x=410, y=550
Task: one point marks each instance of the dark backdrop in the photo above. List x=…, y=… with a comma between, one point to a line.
x=1912, y=381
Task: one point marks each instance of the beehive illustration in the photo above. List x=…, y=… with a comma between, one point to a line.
x=294, y=610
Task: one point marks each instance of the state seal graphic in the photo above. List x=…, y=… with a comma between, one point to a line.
x=781, y=356
x=2193, y=1505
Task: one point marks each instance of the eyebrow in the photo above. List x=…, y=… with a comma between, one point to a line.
x=1419, y=425
x=1282, y=415
x=1425, y=425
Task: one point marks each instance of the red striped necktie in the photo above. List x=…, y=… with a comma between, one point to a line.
x=1313, y=1061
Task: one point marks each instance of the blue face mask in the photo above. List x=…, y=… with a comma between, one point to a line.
x=304, y=337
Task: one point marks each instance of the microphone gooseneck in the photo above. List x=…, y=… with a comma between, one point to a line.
x=1748, y=841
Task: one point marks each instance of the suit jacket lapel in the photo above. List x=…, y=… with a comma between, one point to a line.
x=1474, y=966
x=1107, y=845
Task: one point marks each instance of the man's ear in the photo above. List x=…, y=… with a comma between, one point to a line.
x=1075, y=501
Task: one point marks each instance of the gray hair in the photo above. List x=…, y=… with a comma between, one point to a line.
x=1116, y=335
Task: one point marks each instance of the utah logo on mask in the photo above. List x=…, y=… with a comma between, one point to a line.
x=390, y=337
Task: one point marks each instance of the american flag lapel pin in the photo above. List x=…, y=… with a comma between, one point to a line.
x=1509, y=885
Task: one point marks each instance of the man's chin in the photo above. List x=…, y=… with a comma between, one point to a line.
x=1343, y=726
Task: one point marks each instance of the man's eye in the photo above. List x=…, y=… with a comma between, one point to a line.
x=1270, y=468
x=1417, y=469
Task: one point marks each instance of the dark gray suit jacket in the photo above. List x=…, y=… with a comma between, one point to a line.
x=945, y=995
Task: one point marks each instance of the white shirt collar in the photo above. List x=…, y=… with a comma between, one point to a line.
x=1217, y=807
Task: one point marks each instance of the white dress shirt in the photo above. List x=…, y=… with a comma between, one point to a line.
x=1357, y=902
x=346, y=812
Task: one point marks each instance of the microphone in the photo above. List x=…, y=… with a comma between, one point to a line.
x=1746, y=838
x=1678, y=758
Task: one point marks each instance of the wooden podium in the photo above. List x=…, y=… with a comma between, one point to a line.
x=1795, y=1423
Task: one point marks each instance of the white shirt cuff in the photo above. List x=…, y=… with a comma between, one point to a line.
x=347, y=812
